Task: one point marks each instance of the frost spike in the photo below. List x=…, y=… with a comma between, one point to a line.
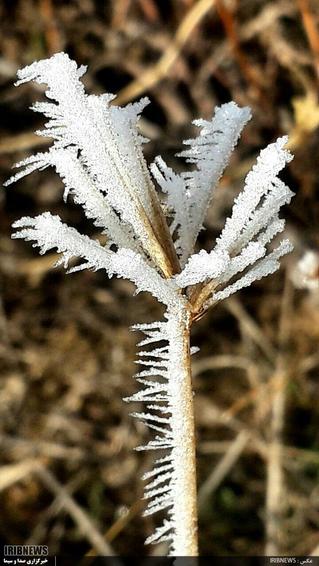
x=160, y=534
x=146, y=417
x=161, y=478
x=150, y=493
x=158, y=504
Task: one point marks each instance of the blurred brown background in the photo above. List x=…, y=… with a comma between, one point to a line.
x=69, y=476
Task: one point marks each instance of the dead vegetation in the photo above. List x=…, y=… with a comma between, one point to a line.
x=69, y=476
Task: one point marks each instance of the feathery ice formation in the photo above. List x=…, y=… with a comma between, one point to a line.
x=97, y=151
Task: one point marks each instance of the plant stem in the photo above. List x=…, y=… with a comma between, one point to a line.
x=184, y=511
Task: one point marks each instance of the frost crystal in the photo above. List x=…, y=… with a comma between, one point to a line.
x=97, y=151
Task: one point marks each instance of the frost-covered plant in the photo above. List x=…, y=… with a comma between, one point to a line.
x=97, y=151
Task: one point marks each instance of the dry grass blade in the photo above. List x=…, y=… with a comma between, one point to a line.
x=275, y=497
x=24, y=447
x=311, y=30
x=253, y=79
x=251, y=327
x=80, y=517
x=13, y=473
x=121, y=523
x=51, y=29
x=220, y=362
x=152, y=76
x=22, y=142
x=222, y=469
x=39, y=532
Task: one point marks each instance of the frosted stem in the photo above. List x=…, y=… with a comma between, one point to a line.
x=184, y=510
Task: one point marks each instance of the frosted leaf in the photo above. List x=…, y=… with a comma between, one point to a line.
x=210, y=152
x=261, y=182
x=252, y=226
x=78, y=181
x=264, y=267
x=177, y=201
x=48, y=232
x=248, y=256
x=203, y=266
x=265, y=214
x=108, y=143
x=189, y=194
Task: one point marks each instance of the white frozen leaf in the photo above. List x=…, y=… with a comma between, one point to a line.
x=203, y=266
x=78, y=181
x=210, y=152
x=248, y=256
x=107, y=140
x=189, y=194
x=250, y=214
x=264, y=267
x=178, y=202
x=49, y=232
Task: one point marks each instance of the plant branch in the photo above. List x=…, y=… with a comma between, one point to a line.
x=184, y=510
